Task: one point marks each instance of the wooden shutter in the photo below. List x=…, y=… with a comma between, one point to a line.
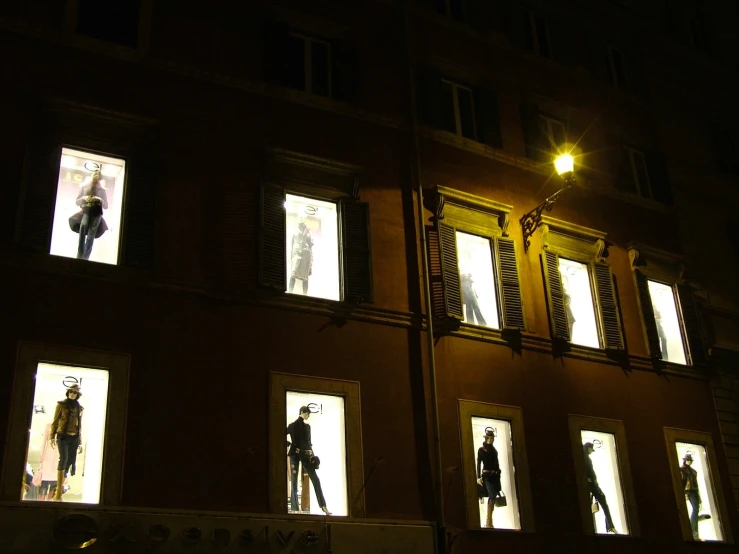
x=692, y=323
x=139, y=215
x=555, y=296
x=487, y=118
x=430, y=98
x=356, y=253
x=509, y=284
x=275, y=57
x=612, y=337
x=446, y=292
x=39, y=194
x=658, y=178
x=343, y=71
x=650, y=324
x=272, y=255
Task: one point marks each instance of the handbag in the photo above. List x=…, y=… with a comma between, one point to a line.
x=482, y=491
x=595, y=507
x=501, y=500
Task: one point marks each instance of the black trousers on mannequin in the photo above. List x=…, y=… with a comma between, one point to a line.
x=292, y=284
x=600, y=496
x=67, y=445
x=295, y=459
x=695, y=502
x=88, y=229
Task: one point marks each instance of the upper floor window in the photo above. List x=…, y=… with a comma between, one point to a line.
x=465, y=110
x=114, y=21
x=617, y=69
x=639, y=172
x=727, y=150
x=667, y=322
x=310, y=68
x=460, y=117
x=544, y=133
x=553, y=130
x=537, y=35
x=89, y=200
x=479, y=298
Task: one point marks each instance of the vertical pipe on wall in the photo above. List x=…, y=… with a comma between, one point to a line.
x=438, y=471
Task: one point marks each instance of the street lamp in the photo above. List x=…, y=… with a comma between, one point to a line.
x=565, y=166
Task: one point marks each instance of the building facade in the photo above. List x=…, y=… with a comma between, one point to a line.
x=339, y=226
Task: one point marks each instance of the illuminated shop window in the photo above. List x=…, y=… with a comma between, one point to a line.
x=66, y=435
x=317, y=472
x=700, y=497
x=89, y=201
x=604, y=483
x=312, y=247
x=578, y=300
x=668, y=324
x=495, y=473
x=477, y=280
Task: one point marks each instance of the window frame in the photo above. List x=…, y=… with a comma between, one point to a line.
x=69, y=25
x=587, y=246
x=547, y=123
x=674, y=435
x=30, y=354
x=468, y=409
x=457, y=114
x=533, y=29
x=308, y=62
x=279, y=385
x=577, y=424
x=617, y=83
x=653, y=264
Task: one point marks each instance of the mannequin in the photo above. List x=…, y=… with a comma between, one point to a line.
x=66, y=431
x=89, y=222
x=301, y=256
x=692, y=494
x=661, y=333
x=301, y=451
x=471, y=305
x=568, y=302
x=488, y=472
x=595, y=490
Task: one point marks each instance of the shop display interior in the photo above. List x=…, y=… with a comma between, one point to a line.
x=42, y=459
x=705, y=517
x=506, y=517
x=668, y=324
x=579, y=306
x=607, y=491
x=477, y=280
x=328, y=437
x=312, y=239
x=76, y=171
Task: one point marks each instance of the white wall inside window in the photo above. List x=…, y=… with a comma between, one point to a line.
x=321, y=220
x=507, y=517
x=72, y=176
x=579, y=303
x=668, y=324
x=605, y=464
x=708, y=529
x=477, y=280
x=328, y=435
x=51, y=382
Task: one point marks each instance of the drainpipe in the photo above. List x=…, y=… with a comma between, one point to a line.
x=438, y=471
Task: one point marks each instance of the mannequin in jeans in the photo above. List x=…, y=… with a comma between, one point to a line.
x=66, y=431
x=594, y=487
x=89, y=222
x=301, y=451
x=692, y=494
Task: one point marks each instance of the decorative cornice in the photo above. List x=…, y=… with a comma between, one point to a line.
x=655, y=262
x=570, y=239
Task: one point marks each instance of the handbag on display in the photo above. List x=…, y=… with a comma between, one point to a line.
x=482, y=491
x=595, y=507
x=501, y=500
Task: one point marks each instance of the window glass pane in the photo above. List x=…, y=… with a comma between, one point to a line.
x=74, y=460
x=295, y=74
x=477, y=280
x=312, y=247
x=542, y=36
x=604, y=482
x=322, y=432
x=89, y=198
x=668, y=324
x=578, y=297
x=494, y=465
x=447, y=102
x=700, y=499
x=640, y=166
x=466, y=112
x=113, y=21
x=319, y=68
x=618, y=72
x=557, y=133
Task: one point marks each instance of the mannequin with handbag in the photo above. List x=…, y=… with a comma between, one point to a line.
x=598, y=498
x=488, y=475
x=301, y=452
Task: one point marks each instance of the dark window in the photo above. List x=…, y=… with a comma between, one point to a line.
x=466, y=112
x=296, y=62
x=320, y=68
x=114, y=21
x=537, y=35
x=617, y=69
x=639, y=172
